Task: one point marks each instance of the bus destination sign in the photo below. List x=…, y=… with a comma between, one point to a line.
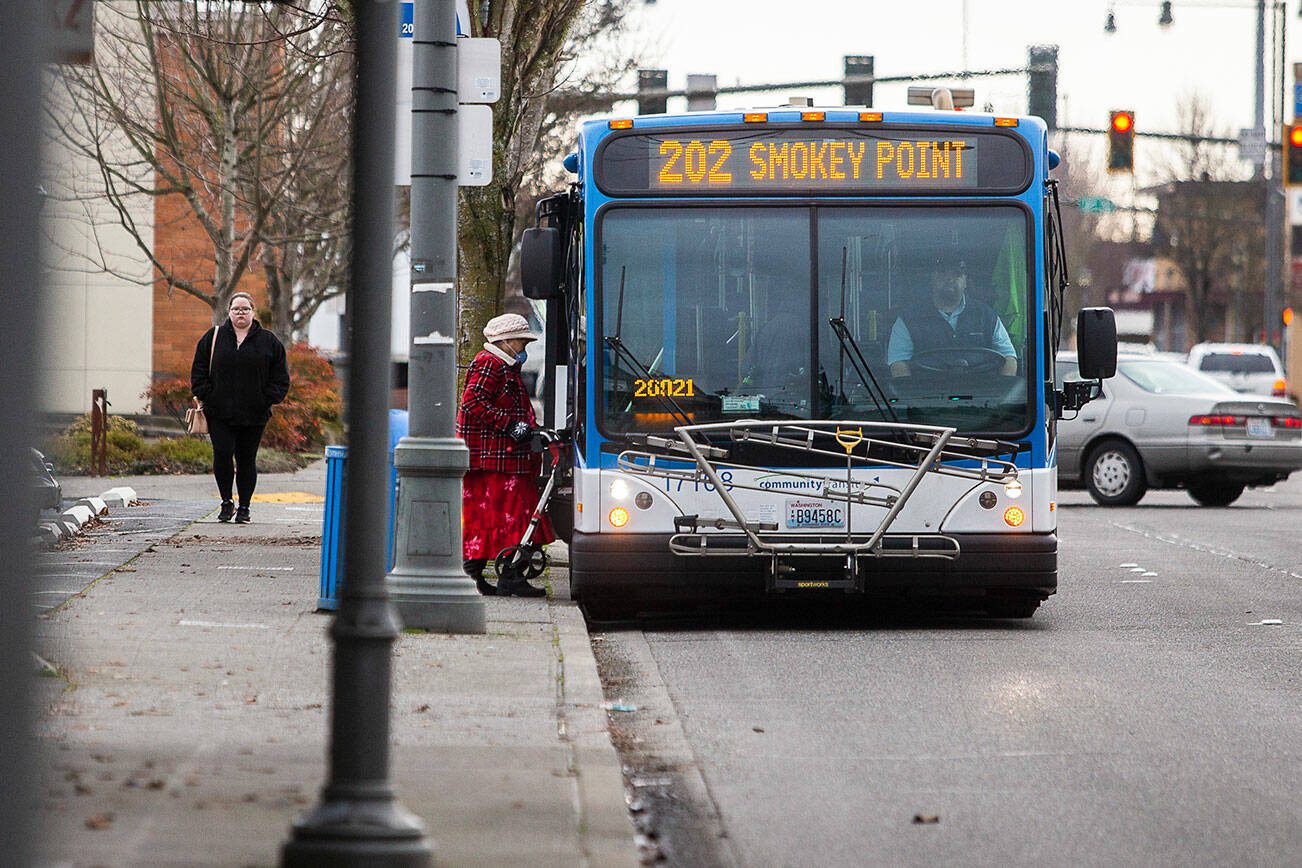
x=803, y=161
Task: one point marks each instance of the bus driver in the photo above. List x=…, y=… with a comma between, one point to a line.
x=953, y=322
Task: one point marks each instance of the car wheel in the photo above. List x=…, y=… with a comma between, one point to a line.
x=1114, y=474
x=1215, y=493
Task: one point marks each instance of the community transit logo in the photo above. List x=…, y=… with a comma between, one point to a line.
x=781, y=482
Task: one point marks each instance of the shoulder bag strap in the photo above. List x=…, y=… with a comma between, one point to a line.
x=212, y=349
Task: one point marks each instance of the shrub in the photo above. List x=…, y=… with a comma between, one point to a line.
x=70, y=451
x=306, y=420
x=175, y=455
x=313, y=411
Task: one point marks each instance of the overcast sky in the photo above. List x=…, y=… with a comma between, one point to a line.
x=1209, y=50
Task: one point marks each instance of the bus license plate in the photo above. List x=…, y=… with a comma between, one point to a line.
x=1260, y=428
x=814, y=513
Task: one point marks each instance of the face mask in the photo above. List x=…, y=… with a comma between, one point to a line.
x=521, y=356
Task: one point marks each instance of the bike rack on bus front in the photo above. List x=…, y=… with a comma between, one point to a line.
x=921, y=448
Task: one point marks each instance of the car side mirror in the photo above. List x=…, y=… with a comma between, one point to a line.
x=540, y=263
x=1096, y=343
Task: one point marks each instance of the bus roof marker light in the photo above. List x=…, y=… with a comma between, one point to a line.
x=619, y=517
x=1014, y=516
x=1005, y=122
x=813, y=116
x=622, y=124
x=755, y=117
x=871, y=117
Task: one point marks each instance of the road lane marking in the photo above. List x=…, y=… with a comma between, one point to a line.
x=1177, y=540
x=219, y=624
x=1136, y=581
x=257, y=569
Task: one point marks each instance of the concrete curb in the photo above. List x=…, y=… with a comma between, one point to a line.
x=605, y=818
x=70, y=522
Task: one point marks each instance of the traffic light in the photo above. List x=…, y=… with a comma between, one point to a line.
x=1121, y=142
x=1042, y=84
x=860, y=92
x=648, y=82
x=1293, y=155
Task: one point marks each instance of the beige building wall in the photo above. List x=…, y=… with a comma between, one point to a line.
x=98, y=294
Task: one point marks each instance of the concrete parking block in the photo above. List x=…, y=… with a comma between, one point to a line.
x=78, y=513
x=97, y=505
x=48, y=533
x=123, y=495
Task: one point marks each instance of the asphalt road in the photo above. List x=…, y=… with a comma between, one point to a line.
x=1146, y=715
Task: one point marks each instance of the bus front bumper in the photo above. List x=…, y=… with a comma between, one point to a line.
x=602, y=565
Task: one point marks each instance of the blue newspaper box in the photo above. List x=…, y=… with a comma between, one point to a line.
x=332, y=525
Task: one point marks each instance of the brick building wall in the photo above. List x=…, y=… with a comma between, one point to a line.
x=180, y=319
x=181, y=243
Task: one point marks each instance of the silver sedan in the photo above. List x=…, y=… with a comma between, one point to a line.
x=1160, y=424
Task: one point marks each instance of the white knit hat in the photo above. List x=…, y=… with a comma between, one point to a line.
x=507, y=326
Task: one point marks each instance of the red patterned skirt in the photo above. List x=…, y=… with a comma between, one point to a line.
x=495, y=510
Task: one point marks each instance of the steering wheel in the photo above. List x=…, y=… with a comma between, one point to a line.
x=957, y=360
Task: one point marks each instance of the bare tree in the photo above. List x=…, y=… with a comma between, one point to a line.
x=233, y=115
x=1210, y=223
x=542, y=41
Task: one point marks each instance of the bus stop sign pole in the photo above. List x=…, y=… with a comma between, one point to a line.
x=428, y=585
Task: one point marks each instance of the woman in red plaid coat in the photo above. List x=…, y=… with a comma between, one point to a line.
x=497, y=421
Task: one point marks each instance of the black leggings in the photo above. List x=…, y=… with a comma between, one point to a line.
x=235, y=457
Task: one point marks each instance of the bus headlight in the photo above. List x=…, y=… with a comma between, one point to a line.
x=1013, y=488
x=619, y=489
x=643, y=500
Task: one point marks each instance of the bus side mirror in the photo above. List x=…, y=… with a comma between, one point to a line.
x=540, y=263
x=1096, y=343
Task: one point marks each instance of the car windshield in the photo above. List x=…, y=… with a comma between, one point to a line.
x=1164, y=378
x=718, y=314
x=1237, y=363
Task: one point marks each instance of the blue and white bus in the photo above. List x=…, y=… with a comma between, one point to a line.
x=807, y=351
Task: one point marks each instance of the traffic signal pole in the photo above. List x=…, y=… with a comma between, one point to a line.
x=1274, y=205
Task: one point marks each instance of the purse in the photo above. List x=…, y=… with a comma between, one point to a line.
x=195, y=420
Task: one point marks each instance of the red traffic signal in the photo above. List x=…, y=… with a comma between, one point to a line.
x=1293, y=155
x=1121, y=141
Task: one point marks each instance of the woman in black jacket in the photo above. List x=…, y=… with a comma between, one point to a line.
x=238, y=380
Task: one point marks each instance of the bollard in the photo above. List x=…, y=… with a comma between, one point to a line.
x=99, y=405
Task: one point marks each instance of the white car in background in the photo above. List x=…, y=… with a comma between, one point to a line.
x=1253, y=369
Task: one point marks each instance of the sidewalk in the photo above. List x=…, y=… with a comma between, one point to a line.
x=190, y=722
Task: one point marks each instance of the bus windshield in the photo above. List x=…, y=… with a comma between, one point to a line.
x=910, y=313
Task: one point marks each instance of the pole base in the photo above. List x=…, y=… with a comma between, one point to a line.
x=438, y=602
x=350, y=832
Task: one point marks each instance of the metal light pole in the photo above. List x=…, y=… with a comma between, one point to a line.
x=22, y=46
x=1274, y=191
x=359, y=821
x=428, y=585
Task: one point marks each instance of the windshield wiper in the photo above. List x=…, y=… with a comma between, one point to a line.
x=850, y=349
x=621, y=350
